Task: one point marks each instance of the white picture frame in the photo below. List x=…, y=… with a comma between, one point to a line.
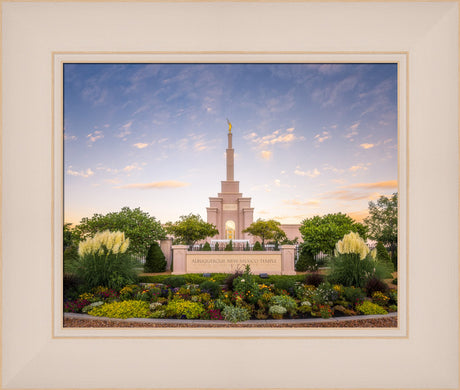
x=37, y=353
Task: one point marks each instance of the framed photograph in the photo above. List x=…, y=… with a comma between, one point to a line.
x=47, y=53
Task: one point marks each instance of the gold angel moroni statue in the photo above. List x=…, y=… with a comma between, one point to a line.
x=229, y=126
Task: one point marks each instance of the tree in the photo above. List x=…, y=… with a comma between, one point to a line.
x=306, y=261
x=382, y=221
x=382, y=253
x=257, y=246
x=155, y=260
x=190, y=229
x=229, y=246
x=266, y=230
x=141, y=229
x=206, y=247
x=320, y=234
x=68, y=235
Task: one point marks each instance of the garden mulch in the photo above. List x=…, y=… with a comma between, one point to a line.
x=72, y=320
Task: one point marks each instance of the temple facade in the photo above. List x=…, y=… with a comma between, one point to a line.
x=229, y=211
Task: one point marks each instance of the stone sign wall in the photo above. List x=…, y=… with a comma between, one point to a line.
x=274, y=263
x=225, y=262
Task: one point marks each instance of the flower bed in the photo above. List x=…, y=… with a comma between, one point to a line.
x=235, y=298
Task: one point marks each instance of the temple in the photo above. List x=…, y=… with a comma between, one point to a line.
x=230, y=212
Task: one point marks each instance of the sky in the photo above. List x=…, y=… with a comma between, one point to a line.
x=309, y=139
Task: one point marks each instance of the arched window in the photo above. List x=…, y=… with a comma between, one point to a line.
x=230, y=230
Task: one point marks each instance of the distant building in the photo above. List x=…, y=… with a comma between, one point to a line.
x=232, y=213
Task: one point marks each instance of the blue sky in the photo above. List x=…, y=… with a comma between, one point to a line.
x=309, y=139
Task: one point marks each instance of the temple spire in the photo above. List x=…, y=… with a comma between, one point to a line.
x=230, y=155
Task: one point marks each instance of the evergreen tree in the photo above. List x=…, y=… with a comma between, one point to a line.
x=382, y=253
x=206, y=247
x=229, y=246
x=257, y=246
x=306, y=260
x=155, y=261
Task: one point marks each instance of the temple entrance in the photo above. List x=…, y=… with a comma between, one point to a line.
x=230, y=230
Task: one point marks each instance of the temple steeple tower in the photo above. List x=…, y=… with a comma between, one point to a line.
x=230, y=155
x=230, y=212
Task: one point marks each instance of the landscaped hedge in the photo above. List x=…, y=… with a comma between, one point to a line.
x=220, y=278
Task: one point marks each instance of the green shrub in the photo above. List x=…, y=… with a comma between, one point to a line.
x=72, y=286
x=394, y=259
x=104, y=261
x=155, y=260
x=247, y=247
x=257, y=246
x=285, y=301
x=354, y=294
x=211, y=287
x=348, y=269
x=206, y=247
x=70, y=256
x=174, y=281
x=247, y=286
x=179, y=308
x=395, y=281
x=286, y=284
x=91, y=306
x=235, y=314
x=393, y=294
x=216, y=246
x=380, y=298
x=277, y=311
x=229, y=246
x=382, y=253
x=124, y=309
x=325, y=294
x=369, y=308
x=306, y=261
x=228, y=283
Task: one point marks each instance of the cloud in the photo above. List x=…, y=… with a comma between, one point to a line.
x=85, y=174
x=311, y=173
x=132, y=167
x=277, y=182
x=94, y=136
x=327, y=96
x=367, y=146
x=319, y=138
x=358, y=167
x=140, y=145
x=70, y=137
x=250, y=136
x=349, y=195
x=379, y=184
x=125, y=130
x=156, y=185
x=328, y=167
x=353, y=131
x=276, y=137
x=295, y=202
x=266, y=154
